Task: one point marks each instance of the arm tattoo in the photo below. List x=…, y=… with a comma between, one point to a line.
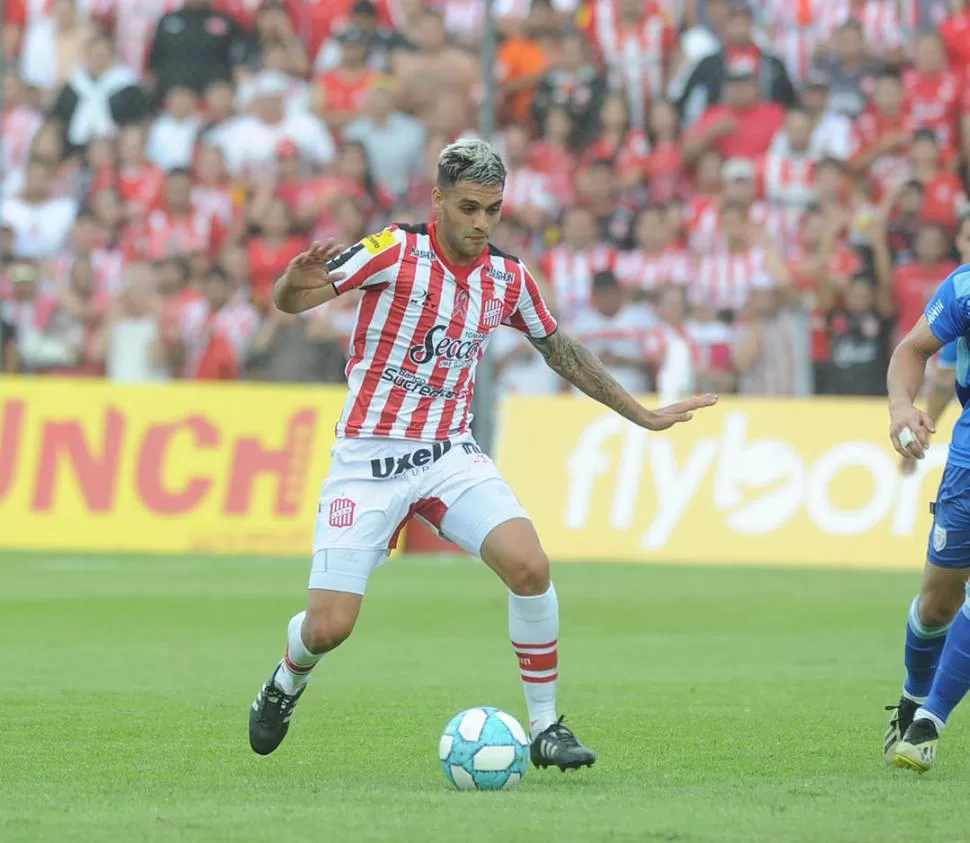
x=577, y=364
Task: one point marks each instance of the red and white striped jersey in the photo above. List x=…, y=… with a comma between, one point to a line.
x=19, y=127
x=569, y=274
x=724, y=280
x=639, y=270
x=422, y=327
x=108, y=266
x=636, y=58
x=782, y=224
x=788, y=180
x=218, y=202
x=162, y=235
x=622, y=335
x=882, y=26
x=794, y=31
x=236, y=322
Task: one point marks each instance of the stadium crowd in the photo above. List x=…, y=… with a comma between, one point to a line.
x=755, y=197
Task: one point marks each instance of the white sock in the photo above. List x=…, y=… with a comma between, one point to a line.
x=298, y=661
x=534, y=630
x=922, y=713
x=911, y=698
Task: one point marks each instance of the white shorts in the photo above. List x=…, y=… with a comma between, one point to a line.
x=375, y=485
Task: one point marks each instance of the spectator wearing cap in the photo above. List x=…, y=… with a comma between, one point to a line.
x=394, y=141
x=250, y=140
x=195, y=46
x=766, y=351
x=831, y=132
x=54, y=47
x=743, y=125
x=40, y=222
x=615, y=331
x=944, y=199
x=171, y=142
x=849, y=70
x=738, y=55
x=341, y=91
x=100, y=97
x=575, y=83
x=882, y=133
x=380, y=41
x=738, y=185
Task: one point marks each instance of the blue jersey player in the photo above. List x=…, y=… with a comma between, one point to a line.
x=939, y=393
x=937, y=654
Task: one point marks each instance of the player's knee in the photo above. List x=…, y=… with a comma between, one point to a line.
x=939, y=606
x=325, y=631
x=528, y=573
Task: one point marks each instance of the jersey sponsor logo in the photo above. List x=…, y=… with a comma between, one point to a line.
x=342, y=511
x=451, y=353
x=417, y=461
x=411, y=382
x=422, y=254
x=492, y=313
x=377, y=243
x=498, y=275
x=934, y=311
x=421, y=298
x=478, y=455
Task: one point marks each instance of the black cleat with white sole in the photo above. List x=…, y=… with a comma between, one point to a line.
x=269, y=718
x=557, y=746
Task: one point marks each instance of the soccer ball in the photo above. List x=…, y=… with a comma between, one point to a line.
x=484, y=749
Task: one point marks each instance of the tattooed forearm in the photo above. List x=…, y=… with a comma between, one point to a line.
x=572, y=361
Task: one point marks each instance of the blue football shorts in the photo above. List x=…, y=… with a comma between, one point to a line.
x=949, y=542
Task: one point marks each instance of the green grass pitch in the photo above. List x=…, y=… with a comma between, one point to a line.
x=726, y=705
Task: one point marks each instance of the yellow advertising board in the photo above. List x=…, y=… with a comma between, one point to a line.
x=778, y=482
x=227, y=468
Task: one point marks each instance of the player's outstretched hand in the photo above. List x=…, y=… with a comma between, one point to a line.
x=682, y=411
x=308, y=270
x=909, y=430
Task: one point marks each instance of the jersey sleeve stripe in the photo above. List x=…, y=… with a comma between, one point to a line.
x=358, y=272
x=538, y=305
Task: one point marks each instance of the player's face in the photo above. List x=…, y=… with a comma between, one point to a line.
x=467, y=215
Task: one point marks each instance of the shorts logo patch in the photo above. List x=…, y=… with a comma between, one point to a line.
x=342, y=512
x=939, y=538
x=377, y=243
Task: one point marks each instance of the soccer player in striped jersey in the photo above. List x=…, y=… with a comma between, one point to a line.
x=432, y=296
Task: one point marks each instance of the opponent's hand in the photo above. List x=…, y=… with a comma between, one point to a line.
x=682, y=411
x=919, y=424
x=308, y=270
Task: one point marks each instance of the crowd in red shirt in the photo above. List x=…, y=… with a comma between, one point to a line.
x=763, y=182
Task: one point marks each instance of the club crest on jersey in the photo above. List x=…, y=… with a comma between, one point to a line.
x=451, y=353
x=492, y=313
x=939, y=538
x=342, y=512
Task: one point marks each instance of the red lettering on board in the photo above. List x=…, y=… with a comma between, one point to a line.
x=97, y=476
x=151, y=461
x=11, y=423
x=289, y=464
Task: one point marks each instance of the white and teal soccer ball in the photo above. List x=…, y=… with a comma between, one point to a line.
x=484, y=749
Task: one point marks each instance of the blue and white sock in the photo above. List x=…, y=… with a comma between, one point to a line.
x=924, y=644
x=952, y=679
